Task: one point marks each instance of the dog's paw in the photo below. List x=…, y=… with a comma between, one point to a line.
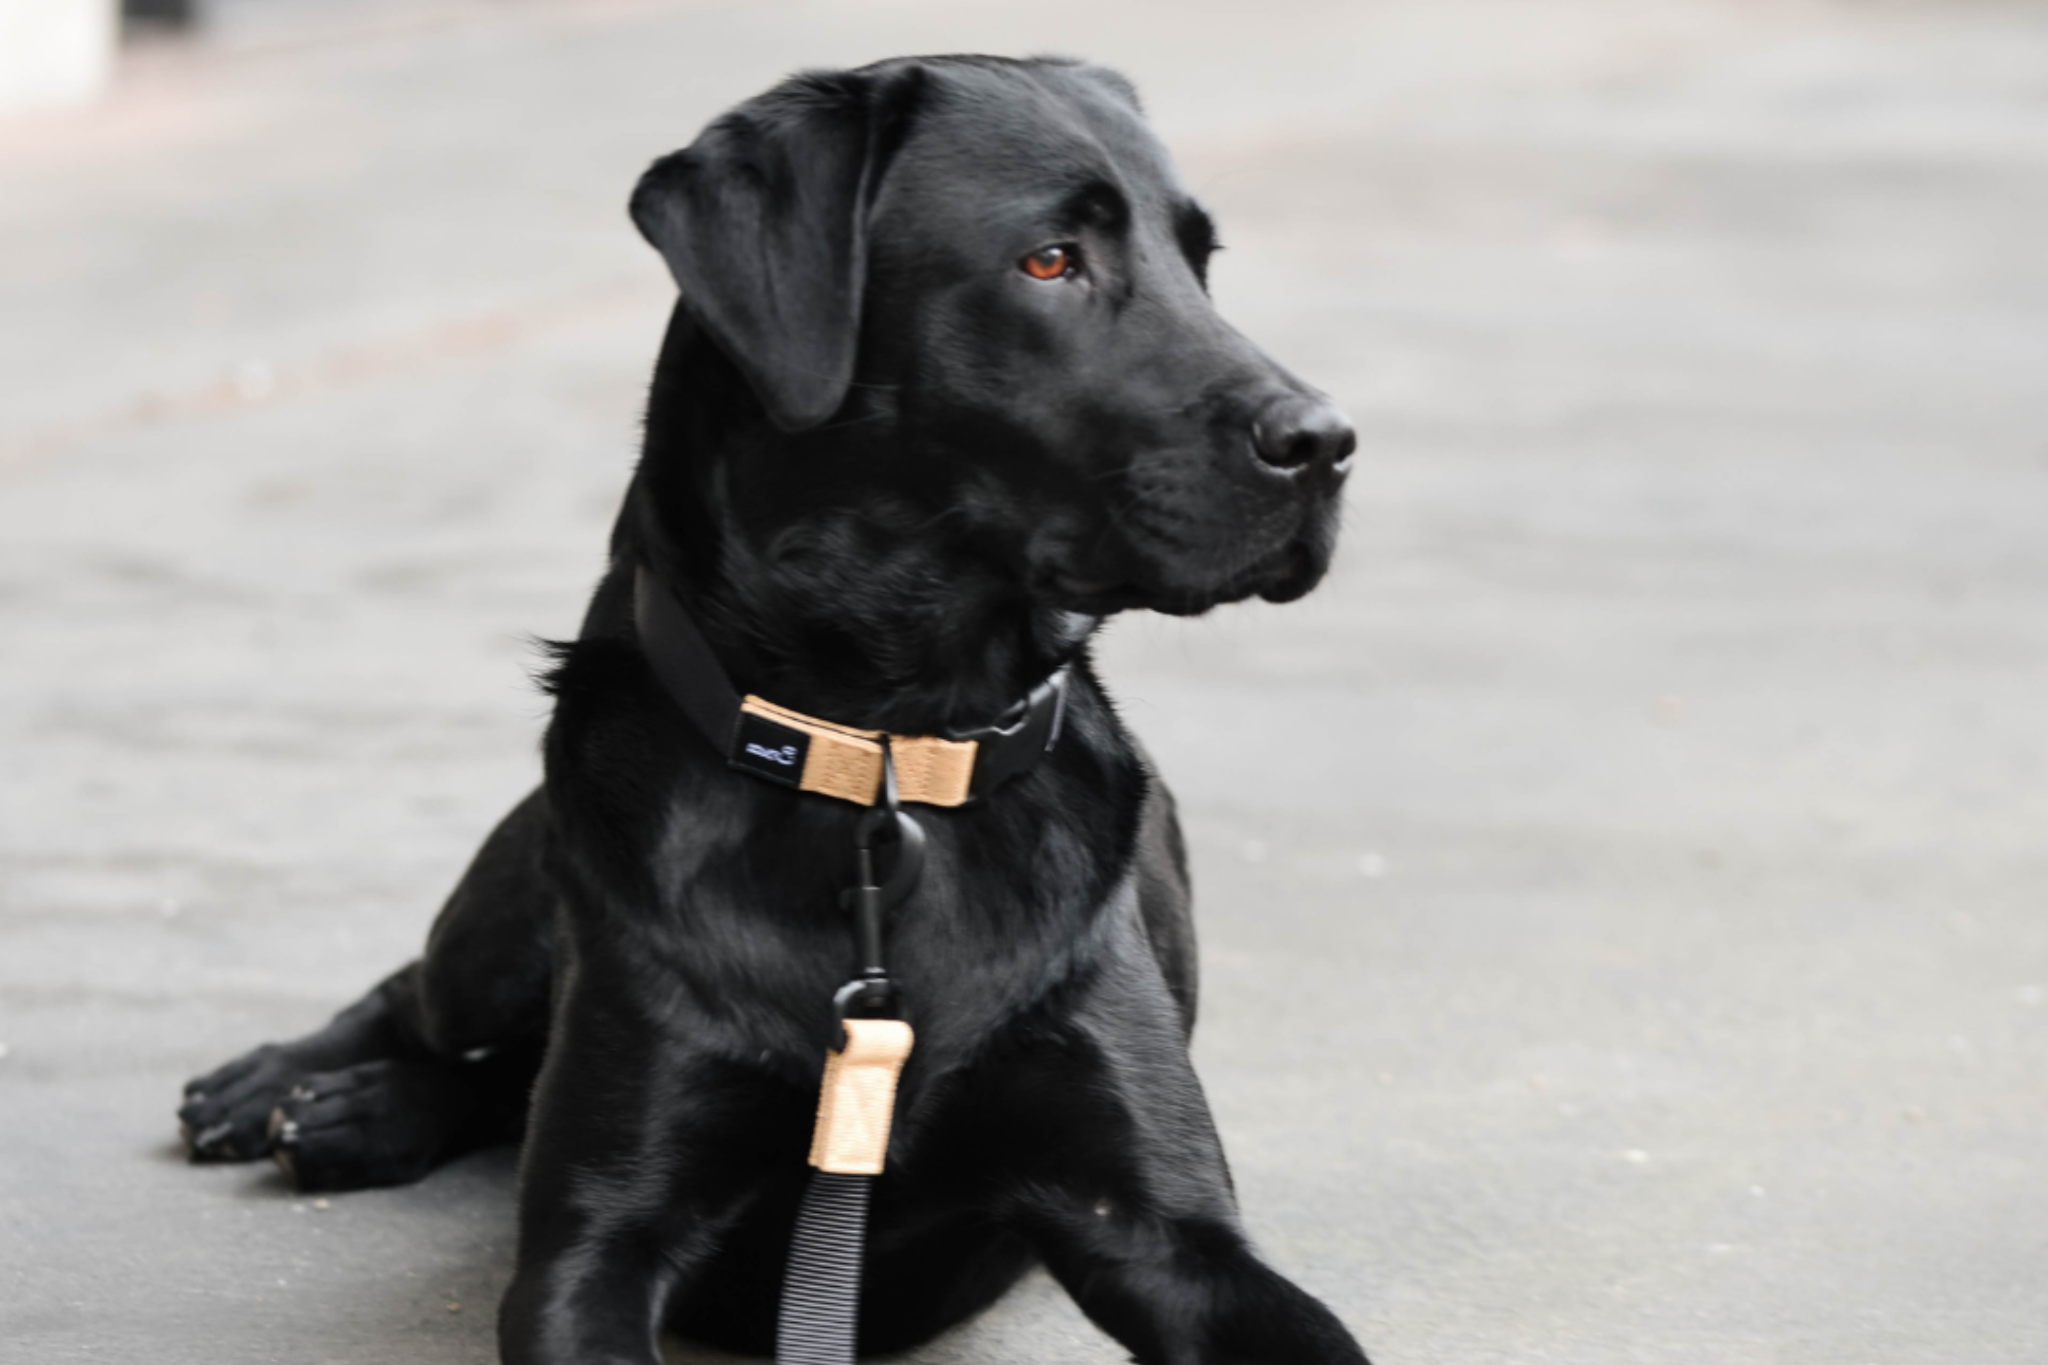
x=377, y=1123
x=226, y=1113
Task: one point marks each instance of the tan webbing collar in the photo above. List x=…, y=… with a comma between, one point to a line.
x=847, y=763
x=759, y=737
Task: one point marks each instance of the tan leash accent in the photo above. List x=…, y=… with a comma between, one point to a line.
x=858, y=1099
x=847, y=763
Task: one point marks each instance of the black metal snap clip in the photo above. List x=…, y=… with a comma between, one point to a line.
x=872, y=993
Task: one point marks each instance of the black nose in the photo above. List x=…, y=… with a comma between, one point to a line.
x=1303, y=433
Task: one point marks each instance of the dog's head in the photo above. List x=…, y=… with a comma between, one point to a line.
x=987, y=276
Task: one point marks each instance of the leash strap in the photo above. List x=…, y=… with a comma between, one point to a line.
x=784, y=746
x=820, y=1317
x=821, y=1289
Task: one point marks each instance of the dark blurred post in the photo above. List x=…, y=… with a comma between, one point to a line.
x=158, y=14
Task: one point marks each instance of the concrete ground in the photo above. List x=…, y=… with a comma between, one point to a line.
x=1623, y=883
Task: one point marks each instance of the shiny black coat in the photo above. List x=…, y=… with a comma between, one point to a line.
x=899, y=468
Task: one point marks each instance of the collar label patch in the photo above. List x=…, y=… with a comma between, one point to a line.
x=769, y=749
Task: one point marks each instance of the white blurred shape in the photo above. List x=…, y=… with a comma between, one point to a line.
x=54, y=52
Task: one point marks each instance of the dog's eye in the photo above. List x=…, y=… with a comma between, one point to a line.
x=1052, y=263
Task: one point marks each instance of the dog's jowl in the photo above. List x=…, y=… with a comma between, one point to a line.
x=944, y=389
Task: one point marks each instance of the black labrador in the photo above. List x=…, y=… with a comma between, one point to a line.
x=945, y=388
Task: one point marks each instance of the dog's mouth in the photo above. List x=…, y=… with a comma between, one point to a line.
x=1094, y=596
x=1179, y=538
x=1288, y=573
x=1301, y=567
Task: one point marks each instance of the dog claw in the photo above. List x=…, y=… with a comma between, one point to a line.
x=284, y=1135
x=212, y=1141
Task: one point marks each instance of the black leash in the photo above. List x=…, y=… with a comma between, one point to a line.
x=821, y=1285
x=819, y=1320
x=819, y=1316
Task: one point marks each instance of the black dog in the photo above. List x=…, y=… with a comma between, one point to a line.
x=945, y=388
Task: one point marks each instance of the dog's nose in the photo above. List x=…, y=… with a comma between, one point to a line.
x=1297, y=434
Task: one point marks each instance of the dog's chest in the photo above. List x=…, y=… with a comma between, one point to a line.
x=753, y=928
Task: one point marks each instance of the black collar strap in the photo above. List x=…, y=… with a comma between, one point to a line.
x=812, y=755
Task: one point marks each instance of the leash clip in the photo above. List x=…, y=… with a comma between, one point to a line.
x=872, y=993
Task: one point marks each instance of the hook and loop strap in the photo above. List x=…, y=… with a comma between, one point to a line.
x=838, y=760
x=858, y=1097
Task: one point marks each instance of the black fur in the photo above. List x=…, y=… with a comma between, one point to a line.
x=898, y=480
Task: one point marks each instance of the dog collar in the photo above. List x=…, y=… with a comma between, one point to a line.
x=773, y=742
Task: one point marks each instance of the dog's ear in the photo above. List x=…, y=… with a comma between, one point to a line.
x=1115, y=82
x=763, y=223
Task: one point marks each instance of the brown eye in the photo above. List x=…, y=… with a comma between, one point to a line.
x=1051, y=263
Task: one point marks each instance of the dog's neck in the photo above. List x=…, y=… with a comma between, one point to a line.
x=817, y=589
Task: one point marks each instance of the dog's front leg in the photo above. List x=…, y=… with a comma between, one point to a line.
x=641, y=1153
x=1186, y=1291
x=1113, y=1169
x=1143, y=1232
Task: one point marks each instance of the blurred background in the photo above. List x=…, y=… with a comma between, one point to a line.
x=1641, y=957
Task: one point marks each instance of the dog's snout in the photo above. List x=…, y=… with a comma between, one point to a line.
x=1300, y=434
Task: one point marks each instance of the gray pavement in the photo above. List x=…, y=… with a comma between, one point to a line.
x=1624, y=886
